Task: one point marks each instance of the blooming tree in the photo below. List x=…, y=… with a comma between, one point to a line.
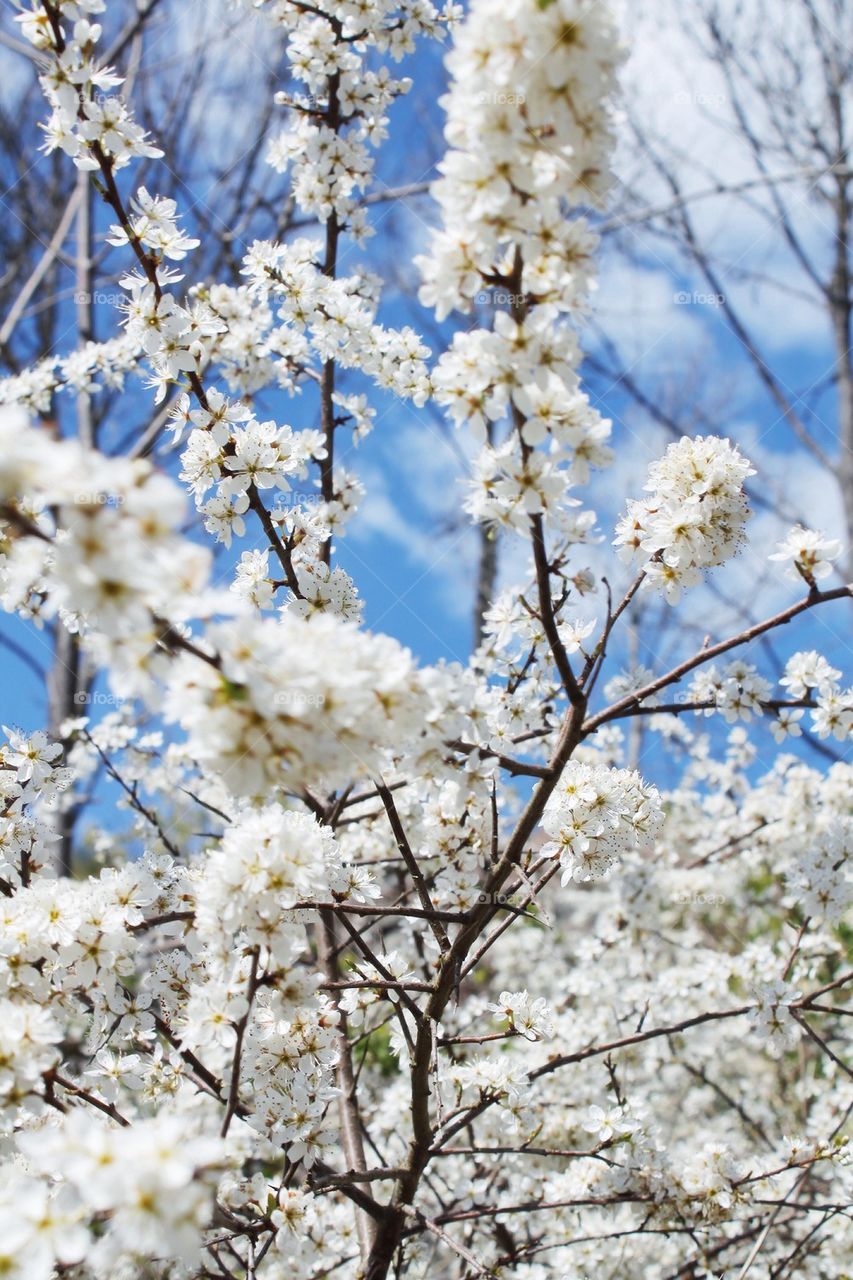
x=308, y=1031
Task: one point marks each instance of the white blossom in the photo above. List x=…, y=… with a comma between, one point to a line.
x=808, y=554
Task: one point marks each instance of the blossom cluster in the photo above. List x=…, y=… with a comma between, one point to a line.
x=290, y=702
x=150, y=1184
x=529, y=134
x=87, y=122
x=339, y=102
x=321, y=318
x=739, y=692
x=597, y=815
x=808, y=554
x=527, y=128
x=821, y=880
x=32, y=779
x=111, y=988
x=92, y=367
x=94, y=540
x=529, y=1018
x=267, y=861
x=694, y=517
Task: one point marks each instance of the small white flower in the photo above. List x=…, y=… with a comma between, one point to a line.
x=808, y=553
x=786, y=724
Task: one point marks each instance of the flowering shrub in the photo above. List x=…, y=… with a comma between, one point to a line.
x=309, y=1032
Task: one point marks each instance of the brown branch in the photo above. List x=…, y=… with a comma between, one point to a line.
x=439, y=932
x=93, y=1101
x=617, y=709
x=242, y=1024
